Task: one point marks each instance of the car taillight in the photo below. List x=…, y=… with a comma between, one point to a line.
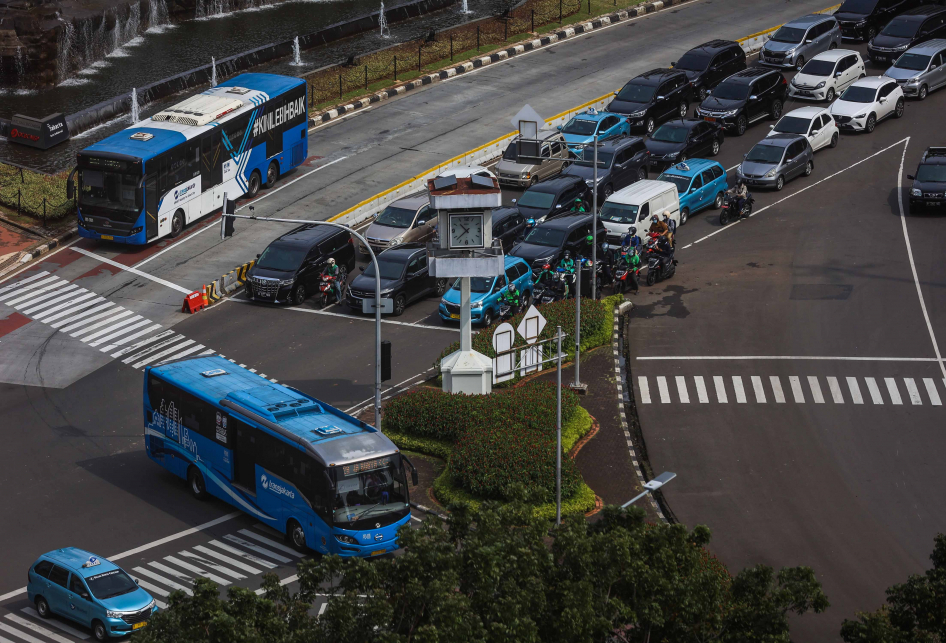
x=784, y=82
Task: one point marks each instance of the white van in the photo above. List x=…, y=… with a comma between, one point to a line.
x=635, y=205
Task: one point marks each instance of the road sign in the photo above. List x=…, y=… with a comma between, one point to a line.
x=387, y=306
x=503, y=366
x=527, y=115
x=531, y=325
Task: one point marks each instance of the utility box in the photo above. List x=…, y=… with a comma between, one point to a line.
x=41, y=133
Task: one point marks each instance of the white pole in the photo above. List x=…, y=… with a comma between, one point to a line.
x=578, y=324
x=466, y=325
x=594, y=227
x=558, y=432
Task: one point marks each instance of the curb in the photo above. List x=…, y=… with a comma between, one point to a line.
x=226, y=285
x=38, y=251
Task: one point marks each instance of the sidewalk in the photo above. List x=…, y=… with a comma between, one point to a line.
x=13, y=241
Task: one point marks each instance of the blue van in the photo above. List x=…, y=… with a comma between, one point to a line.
x=485, y=293
x=700, y=184
x=90, y=590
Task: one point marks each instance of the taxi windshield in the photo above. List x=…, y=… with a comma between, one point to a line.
x=110, y=584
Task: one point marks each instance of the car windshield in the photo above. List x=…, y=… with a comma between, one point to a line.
x=512, y=152
x=477, y=284
x=618, y=212
x=369, y=490
x=634, y=93
x=731, y=91
x=390, y=268
x=545, y=237
x=818, y=68
x=792, y=125
x=111, y=191
x=110, y=584
x=789, y=34
x=693, y=61
x=858, y=6
x=670, y=134
x=765, y=154
x=396, y=217
x=931, y=173
x=280, y=257
x=901, y=28
x=587, y=158
x=682, y=182
x=536, y=199
x=580, y=126
x=855, y=94
x=912, y=62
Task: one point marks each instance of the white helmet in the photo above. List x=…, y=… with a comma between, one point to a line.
x=331, y=261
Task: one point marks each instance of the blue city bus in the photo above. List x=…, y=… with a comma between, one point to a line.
x=152, y=179
x=332, y=483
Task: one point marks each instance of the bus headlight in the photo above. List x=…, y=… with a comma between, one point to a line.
x=348, y=540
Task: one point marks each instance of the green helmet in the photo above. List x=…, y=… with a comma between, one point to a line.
x=635, y=260
x=590, y=239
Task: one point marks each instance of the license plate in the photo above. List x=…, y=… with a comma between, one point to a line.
x=454, y=316
x=138, y=626
x=803, y=93
x=379, y=552
x=934, y=202
x=107, y=237
x=880, y=59
x=709, y=119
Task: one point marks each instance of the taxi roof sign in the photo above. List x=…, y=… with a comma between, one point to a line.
x=92, y=562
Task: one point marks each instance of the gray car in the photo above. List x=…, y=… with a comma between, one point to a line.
x=555, y=157
x=801, y=40
x=404, y=221
x=921, y=69
x=776, y=160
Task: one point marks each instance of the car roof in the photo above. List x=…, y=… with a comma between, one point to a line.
x=934, y=156
x=411, y=203
x=510, y=260
x=872, y=81
x=655, y=76
x=307, y=235
x=695, y=167
x=782, y=139
x=640, y=190
x=834, y=55
x=614, y=144
x=750, y=74
x=689, y=123
x=401, y=252
x=504, y=212
x=74, y=559
x=566, y=221
x=929, y=47
x=809, y=111
x=807, y=21
x=922, y=11
x=714, y=46
x=557, y=184
x=598, y=115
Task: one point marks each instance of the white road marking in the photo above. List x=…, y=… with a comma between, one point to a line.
x=855, y=390
x=50, y=298
x=154, y=347
x=322, y=607
x=284, y=581
x=259, y=550
x=167, y=582
x=123, y=324
x=19, y=288
x=875, y=396
x=107, y=310
x=777, y=389
x=22, y=622
x=31, y=297
x=835, y=390
x=144, y=342
x=722, y=358
x=701, y=389
x=161, y=567
x=663, y=389
x=226, y=559
x=644, y=388
x=158, y=356
x=363, y=318
x=83, y=311
x=29, y=611
x=185, y=353
x=153, y=589
x=197, y=570
x=23, y=635
x=242, y=554
x=815, y=389
x=682, y=389
x=134, y=271
x=120, y=332
x=912, y=391
x=720, y=389
x=757, y=387
x=740, y=391
x=892, y=390
x=797, y=393
x=23, y=282
x=217, y=567
x=104, y=322
x=71, y=305
x=931, y=391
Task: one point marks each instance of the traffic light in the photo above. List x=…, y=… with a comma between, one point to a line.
x=226, y=223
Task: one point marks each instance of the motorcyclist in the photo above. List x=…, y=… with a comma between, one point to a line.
x=559, y=286
x=511, y=296
x=631, y=240
x=578, y=205
x=629, y=260
x=672, y=226
x=545, y=276
x=567, y=263
x=331, y=270
x=739, y=192
x=660, y=247
x=659, y=227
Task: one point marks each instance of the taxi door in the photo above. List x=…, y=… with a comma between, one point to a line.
x=78, y=601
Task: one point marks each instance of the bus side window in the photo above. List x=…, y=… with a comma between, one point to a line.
x=198, y=416
x=163, y=175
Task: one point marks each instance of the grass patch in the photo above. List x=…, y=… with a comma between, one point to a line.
x=35, y=194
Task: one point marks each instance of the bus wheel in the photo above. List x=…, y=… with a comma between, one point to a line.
x=195, y=481
x=177, y=223
x=253, y=185
x=272, y=174
x=296, y=535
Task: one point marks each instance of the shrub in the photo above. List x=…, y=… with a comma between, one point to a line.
x=27, y=190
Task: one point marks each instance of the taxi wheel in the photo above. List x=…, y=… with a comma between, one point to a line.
x=487, y=318
x=42, y=607
x=99, y=631
x=718, y=203
x=441, y=287
x=296, y=535
x=195, y=482
x=684, y=215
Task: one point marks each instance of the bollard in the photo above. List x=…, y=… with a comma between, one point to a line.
x=366, y=77
x=339, y=85
x=395, y=69
x=533, y=18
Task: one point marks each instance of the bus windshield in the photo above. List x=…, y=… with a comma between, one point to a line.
x=112, y=191
x=368, y=490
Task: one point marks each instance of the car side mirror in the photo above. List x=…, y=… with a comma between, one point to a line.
x=911, y=177
x=136, y=582
x=514, y=200
x=815, y=131
x=838, y=74
x=673, y=64
x=660, y=97
x=361, y=269
x=559, y=205
x=934, y=66
x=883, y=99
x=70, y=189
x=85, y=595
x=771, y=126
x=257, y=256
x=615, y=93
x=753, y=97
x=809, y=41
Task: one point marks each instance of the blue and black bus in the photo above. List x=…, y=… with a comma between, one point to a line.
x=152, y=179
x=332, y=483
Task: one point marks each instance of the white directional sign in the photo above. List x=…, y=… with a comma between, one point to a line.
x=528, y=115
x=504, y=367
x=531, y=325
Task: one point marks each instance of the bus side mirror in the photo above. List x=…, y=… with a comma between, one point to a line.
x=328, y=480
x=70, y=189
x=413, y=469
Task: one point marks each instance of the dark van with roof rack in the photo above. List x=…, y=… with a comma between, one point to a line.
x=929, y=182
x=652, y=98
x=708, y=64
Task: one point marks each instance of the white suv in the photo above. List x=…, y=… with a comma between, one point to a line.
x=827, y=75
x=814, y=123
x=866, y=102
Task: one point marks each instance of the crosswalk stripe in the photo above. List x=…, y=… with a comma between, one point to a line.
x=33, y=295
x=217, y=567
x=700, y=389
x=757, y=388
x=128, y=338
x=50, y=298
x=740, y=391
x=138, y=323
x=84, y=314
x=167, y=582
x=797, y=393
x=835, y=390
x=197, y=570
x=41, y=285
x=777, y=389
x=78, y=308
x=153, y=589
x=102, y=312
x=682, y=389
x=29, y=611
x=815, y=387
x=930, y=385
x=192, y=349
x=159, y=356
x=270, y=543
x=259, y=550
x=893, y=390
x=229, y=561
x=855, y=390
x=663, y=389
x=242, y=554
x=174, y=573
x=912, y=391
x=24, y=281
x=99, y=324
x=23, y=635
x=207, y=352
x=720, y=389
x=112, y=328
x=174, y=338
x=644, y=389
x=72, y=305
x=39, y=629
x=875, y=395
x=144, y=342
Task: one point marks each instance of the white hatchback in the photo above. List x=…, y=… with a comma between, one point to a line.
x=827, y=75
x=815, y=123
x=867, y=102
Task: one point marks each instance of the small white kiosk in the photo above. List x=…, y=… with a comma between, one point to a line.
x=463, y=202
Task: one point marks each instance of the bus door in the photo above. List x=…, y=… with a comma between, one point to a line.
x=244, y=460
x=151, y=206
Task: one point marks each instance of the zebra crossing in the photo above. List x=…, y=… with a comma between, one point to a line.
x=240, y=557
x=810, y=389
x=98, y=323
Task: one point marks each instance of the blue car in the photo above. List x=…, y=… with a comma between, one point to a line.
x=485, y=293
x=581, y=129
x=700, y=184
x=89, y=590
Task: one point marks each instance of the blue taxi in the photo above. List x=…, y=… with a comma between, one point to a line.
x=90, y=590
x=581, y=129
x=700, y=184
x=486, y=291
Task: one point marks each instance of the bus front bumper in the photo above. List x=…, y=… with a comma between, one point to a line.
x=136, y=238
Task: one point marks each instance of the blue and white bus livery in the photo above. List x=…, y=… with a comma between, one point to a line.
x=332, y=483
x=152, y=179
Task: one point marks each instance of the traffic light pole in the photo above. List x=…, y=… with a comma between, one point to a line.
x=377, y=293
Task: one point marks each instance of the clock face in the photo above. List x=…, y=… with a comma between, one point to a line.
x=466, y=231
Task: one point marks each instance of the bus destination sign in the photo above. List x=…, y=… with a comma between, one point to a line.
x=367, y=465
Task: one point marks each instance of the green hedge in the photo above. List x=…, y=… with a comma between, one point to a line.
x=31, y=188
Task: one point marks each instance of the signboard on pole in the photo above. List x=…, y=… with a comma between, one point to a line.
x=503, y=367
x=528, y=122
x=367, y=306
x=531, y=326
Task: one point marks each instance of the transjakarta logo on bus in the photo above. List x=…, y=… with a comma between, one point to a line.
x=275, y=487
x=279, y=116
x=184, y=191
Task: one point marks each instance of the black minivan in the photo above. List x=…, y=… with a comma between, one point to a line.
x=288, y=270
x=906, y=30
x=652, y=98
x=863, y=19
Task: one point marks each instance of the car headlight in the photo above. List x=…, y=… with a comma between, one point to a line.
x=387, y=293
x=913, y=81
x=527, y=175
x=901, y=47
x=396, y=240
x=348, y=540
x=859, y=116
x=111, y=614
x=820, y=85
x=541, y=262
x=860, y=23
x=477, y=304
x=287, y=282
x=915, y=192
x=639, y=114
x=770, y=173
x=793, y=83
x=731, y=112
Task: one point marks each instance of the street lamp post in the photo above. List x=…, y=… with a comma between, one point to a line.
x=594, y=225
x=650, y=486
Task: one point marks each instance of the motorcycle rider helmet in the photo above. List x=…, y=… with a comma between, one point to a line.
x=568, y=255
x=590, y=239
x=547, y=267
x=512, y=287
x=331, y=261
x=655, y=219
x=632, y=231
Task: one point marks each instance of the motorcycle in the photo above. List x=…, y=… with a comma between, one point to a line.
x=654, y=271
x=546, y=294
x=327, y=292
x=728, y=212
x=507, y=311
x=624, y=275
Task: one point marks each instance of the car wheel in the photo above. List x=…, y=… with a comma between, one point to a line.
x=703, y=94
x=800, y=63
x=296, y=536
x=834, y=140
x=741, y=124
x=400, y=303
x=299, y=295
x=195, y=482
x=779, y=183
x=42, y=607
x=177, y=224
x=832, y=46
x=809, y=167
x=715, y=149
x=99, y=631
x=533, y=181
x=608, y=191
x=682, y=109
x=641, y=174
x=441, y=287
x=487, y=318
x=898, y=110
x=650, y=125
x=829, y=96
x=253, y=185
x=272, y=174
x=871, y=124
x=684, y=215
x=924, y=91
x=718, y=203
x=776, y=110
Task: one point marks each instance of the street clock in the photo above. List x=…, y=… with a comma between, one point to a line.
x=466, y=231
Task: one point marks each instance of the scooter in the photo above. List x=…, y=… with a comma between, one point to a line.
x=327, y=292
x=728, y=212
x=654, y=272
x=626, y=275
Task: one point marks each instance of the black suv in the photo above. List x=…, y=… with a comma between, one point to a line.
x=929, y=183
x=863, y=19
x=653, y=97
x=621, y=161
x=405, y=277
x=288, y=270
x=908, y=29
x=547, y=241
x=744, y=98
x=677, y=141
x=553, y=197
x=707, y=64
x=508, y=225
